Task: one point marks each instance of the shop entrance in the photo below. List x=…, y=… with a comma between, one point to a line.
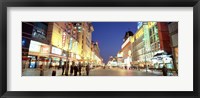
x=32, y=63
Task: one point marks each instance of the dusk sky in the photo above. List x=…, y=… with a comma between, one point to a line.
x=109, y=36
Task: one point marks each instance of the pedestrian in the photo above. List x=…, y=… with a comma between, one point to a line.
x=87, y=69
x=67, y=69
x=125, y=67
x=41, y=70
x=63, y=68
x=79, y=68
x=164, y=70
x=75, y=70
x=72, y=68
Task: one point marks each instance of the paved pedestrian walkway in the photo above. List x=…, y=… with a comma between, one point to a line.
x=96, y=72
x=120, y=72
x=36, y=72
x=47, y=72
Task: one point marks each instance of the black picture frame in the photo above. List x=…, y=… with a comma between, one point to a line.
x=99, y=3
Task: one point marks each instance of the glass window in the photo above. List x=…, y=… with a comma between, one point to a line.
x=151, y=32
x=151, y=41
x=156, y=29
x=156, y=37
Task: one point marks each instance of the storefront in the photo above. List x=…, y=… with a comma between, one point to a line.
x=33, y=61
x=25, y=62
x=58, y=57
x=55, y=61
x=160, y=60
x=64, y=58
x=25, y=50
x=38, y=54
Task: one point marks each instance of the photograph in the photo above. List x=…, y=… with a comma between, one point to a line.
x=145, y=48
x=101, y=48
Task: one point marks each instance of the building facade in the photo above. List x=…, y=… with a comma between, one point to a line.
x=150, y=39
x=53, y=43
x=138, y=48
x=173, y=31
x=126, y=49
x=35, y=48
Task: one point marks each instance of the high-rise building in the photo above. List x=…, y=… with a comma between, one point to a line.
x=126, y=49
x=86, y=42
x=150, y=39
x=96, y=58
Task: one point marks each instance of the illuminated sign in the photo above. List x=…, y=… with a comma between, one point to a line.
x=75, y=47
x=132, y=39
x=56, y=37
x=34, y=46
x=23, y=42
x=70, y=43
x=139, y=24
x=56, y=51
x=39, y=33
x=125, y=43
x=45, y=49
x=151, y=24
x=139, y=33
x=129, y=53
x=146, y=38
x=63, y=38
x=78, y=57
x=120, y=54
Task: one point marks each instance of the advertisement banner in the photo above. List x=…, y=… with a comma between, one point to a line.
x=56, y=51
x=63, y=39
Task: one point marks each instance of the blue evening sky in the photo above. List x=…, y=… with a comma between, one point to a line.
x=109, y=36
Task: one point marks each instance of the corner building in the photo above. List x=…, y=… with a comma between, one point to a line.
x=151, y=38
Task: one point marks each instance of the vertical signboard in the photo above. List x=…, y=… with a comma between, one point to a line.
x=146, y=37
x=63, y=39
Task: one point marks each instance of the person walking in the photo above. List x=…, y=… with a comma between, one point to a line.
x=67, y=68
x=63, y=68
x=72, y=68
x=88, y=69
x=164, y=70
x=41, y=70
x=79, y=68
x=75, y=70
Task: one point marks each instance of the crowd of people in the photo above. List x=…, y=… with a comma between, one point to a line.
x=70, y=70
x=77, y=69
x=74, y=69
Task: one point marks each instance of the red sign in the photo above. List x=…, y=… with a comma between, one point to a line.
x=63, y=38
x=45, y=49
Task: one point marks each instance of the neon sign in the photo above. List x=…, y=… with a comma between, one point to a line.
x=63, y=38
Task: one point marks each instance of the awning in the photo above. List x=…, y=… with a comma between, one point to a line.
x=25, y=58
